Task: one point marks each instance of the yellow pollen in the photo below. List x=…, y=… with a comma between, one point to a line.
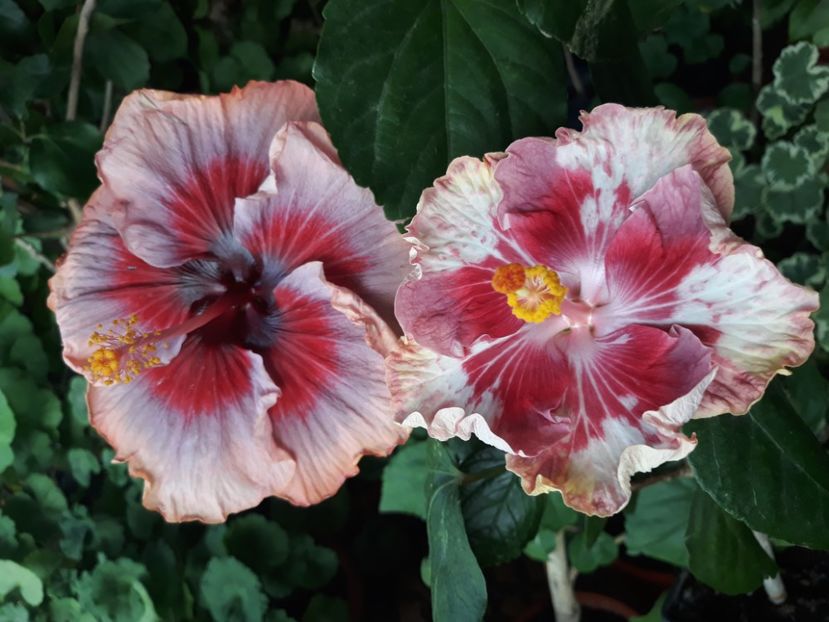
x=534, y=294
x=124, y=352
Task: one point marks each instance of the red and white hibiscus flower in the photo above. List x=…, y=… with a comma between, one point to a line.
x=224, y=295
x=575, y=301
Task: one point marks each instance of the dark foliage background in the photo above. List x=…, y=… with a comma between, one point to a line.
x=403, y=86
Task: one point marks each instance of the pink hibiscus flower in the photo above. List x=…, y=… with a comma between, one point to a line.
x=219, y=296
x=575, y=301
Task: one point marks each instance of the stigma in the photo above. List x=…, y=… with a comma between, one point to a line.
x=123, y=352
x=533, y=293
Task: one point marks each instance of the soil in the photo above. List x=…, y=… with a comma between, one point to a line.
x=805, y=574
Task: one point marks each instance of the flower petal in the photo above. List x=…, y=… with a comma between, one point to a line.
x=319, y=213
x=448, y=301
x=197, y=431
x=651, y=142
x=176, y=163
x=676, y=262
x=99, y=281
x=568, y=410
x=327, y=358
x=565, y=199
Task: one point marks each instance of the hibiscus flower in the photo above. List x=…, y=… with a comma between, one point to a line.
x=575, y=301
x=224, y=296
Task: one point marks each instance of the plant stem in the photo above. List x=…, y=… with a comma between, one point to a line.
x=77, y=59
x=36, y=255
x=572, y=72
x=560, y=583
x=107, y=108
x=774, y=586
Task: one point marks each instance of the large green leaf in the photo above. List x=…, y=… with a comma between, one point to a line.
x=404, y=480
x=404, y=86
x=656, y=524
x=500, y=517
x=458, y=587
x=767, y=469
x=230, y=591
x=722, y=551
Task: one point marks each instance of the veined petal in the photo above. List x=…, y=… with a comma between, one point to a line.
x=327, y=358
x=676, y=262
x=448, y=301
x=319, y=213
x=99, y=282
x=577, y=414
x=176, y=163
x=197, y=431
x=651, y=142
x=565, y=199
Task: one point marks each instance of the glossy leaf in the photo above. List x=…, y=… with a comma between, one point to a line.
x=500, y=517
x=656, y=524
x=404, y=87
x=458, y=587
x=722, y=551
x=404, y=480
x=767, y=469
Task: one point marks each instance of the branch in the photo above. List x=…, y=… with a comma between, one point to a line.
x=77, y=59
x=560, y=582
x=682, y=471
x=774, y=586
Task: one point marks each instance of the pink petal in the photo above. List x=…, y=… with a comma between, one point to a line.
x=328, y=360
x=99, y=281
x=320, y=214
x=197, y=431
x=448, y=301
x=576, y=414
x=176, y=163
x=651, y=142
x=676, y=262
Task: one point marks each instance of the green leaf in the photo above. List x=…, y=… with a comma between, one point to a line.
x=822, y=115
x=660, y=61
x=673, y=97
x=458, y=587
x=766, y=469
x=732, y=129
x=816, y=144
x=12, y=612
x=780, y=114
x=586, y=557
x=804, y=268
x=722, y=551
x=67, y=610
x=113, y=592
x=118, y=58
x=749, y=183
x=82, y=464
x=22, y=82
x=624, y=80
x=76, y=397
x=689, y=28
x=13, y=21
x=542, y=544
x=47, y=494
x=8, y=536
x=652, y=14
x=785, y=165
x=808, y=18
x=162, y=34
x=404, y=480
x=557, y=515
x=595, y=30
x=256, y=542
x=797, y=75
x=437, y=79
x=230, y=591
x=324, y=608
x=799, y=205
x=655, y=526
x=808, y=392
x=7, y=423
x=62, y=161
x=14, y=576
x=821, y=318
